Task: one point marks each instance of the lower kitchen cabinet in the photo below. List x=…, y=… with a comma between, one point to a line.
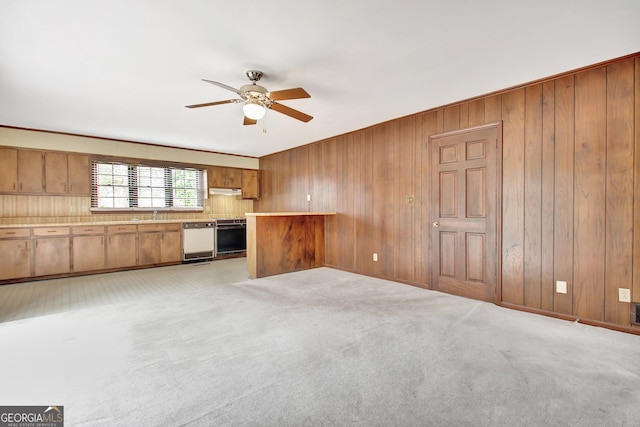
x=159, y=243
x=122, y=247
x=15, y=258
x=149, y=248
x=51, y=256
x=88, y=253
x=88, y=248
x=33, y=252
x=171, y=247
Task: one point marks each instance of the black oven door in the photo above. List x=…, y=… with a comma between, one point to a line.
x=231, y=239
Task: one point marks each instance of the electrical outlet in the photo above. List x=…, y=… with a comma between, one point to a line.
x=409, y=200
x=308, y=197
x=375, y=256
x=72, y=208
x=624, y=295
x=561, y=286
x=84, y=209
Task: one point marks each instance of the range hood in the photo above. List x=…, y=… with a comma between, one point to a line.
x=225, y=191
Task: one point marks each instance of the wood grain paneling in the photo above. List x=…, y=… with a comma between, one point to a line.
x=619, y=190
x=589, y=194
x=404, y=227
x=281, y=244
x=570, y=191
x=636, y=192
x=547, y=198
x=513, y=197
x=533, y=197
x=563, y=194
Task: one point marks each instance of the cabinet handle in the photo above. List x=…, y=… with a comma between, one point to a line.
x=36, y=244
x=65, y=188
x=14, y=185
x=11, y=232
x=21, y=186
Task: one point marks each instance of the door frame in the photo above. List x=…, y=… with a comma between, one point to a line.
x=498, y=192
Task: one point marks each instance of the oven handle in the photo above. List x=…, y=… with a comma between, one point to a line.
x=230, y=227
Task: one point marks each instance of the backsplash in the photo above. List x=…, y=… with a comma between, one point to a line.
x=19, y=209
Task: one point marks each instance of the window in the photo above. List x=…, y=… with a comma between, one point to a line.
x=124, y=186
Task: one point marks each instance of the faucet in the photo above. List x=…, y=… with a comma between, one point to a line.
x=155, y=212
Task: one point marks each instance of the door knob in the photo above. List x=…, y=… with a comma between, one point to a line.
x=436, y=224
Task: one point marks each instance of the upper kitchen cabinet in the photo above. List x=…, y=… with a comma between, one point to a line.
x=30, y=171
x=20, y=171
x=55, y=172
x=67, y=173
x=223, y=177
x=8, y=170
x=250, y=184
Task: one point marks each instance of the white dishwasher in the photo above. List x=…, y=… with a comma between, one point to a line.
x=198, y=241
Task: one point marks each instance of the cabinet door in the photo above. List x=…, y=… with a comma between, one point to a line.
x=79, y=169
x=221, y=177
x=30, y=171
x=250, y=184
x=55, y=172
x=149, y=248
x=8, y=170
x=51, y=256
x=171, y=247
x=233, y=178
x=216, y=177
x=15, y=259
x=88, y=253
x=121, y=250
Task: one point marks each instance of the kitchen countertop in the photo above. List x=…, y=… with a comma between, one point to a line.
x=289, y=213
x=105, y=223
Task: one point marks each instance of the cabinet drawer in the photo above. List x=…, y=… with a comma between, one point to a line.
x=144, y=228
x=51, y=231
x=115, y=229
x=89, y=229
x=14, y=232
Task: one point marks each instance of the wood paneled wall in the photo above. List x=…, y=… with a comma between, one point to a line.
x=570, y=191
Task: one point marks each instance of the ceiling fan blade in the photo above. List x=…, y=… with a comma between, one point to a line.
x=208, y=104
x=295, y=93
x=291, y=112
x=248, y=121
x=222, y=85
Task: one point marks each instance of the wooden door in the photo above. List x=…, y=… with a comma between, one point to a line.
x=55, y=172
x=121, y=250
x=250, y=186
x=171, y=246
x=88, y=253
x=79, y=174
x=51, y=256
x=8, y=170
x=15, y=259
x=149, y=248
x=30, y=171
x=464, y=212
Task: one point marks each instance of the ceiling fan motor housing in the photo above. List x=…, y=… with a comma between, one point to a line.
x=255, y=75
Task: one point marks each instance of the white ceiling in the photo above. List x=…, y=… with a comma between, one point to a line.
x=125, y=69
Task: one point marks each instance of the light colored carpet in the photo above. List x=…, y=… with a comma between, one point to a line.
x=319, y=348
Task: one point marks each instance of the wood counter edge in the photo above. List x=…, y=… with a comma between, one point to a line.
x=288, y=213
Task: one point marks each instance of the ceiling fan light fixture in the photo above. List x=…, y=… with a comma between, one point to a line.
x=253, y=109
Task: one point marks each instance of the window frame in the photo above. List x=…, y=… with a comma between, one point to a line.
x=133, y=186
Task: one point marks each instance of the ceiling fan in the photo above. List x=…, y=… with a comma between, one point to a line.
x=257, y=99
